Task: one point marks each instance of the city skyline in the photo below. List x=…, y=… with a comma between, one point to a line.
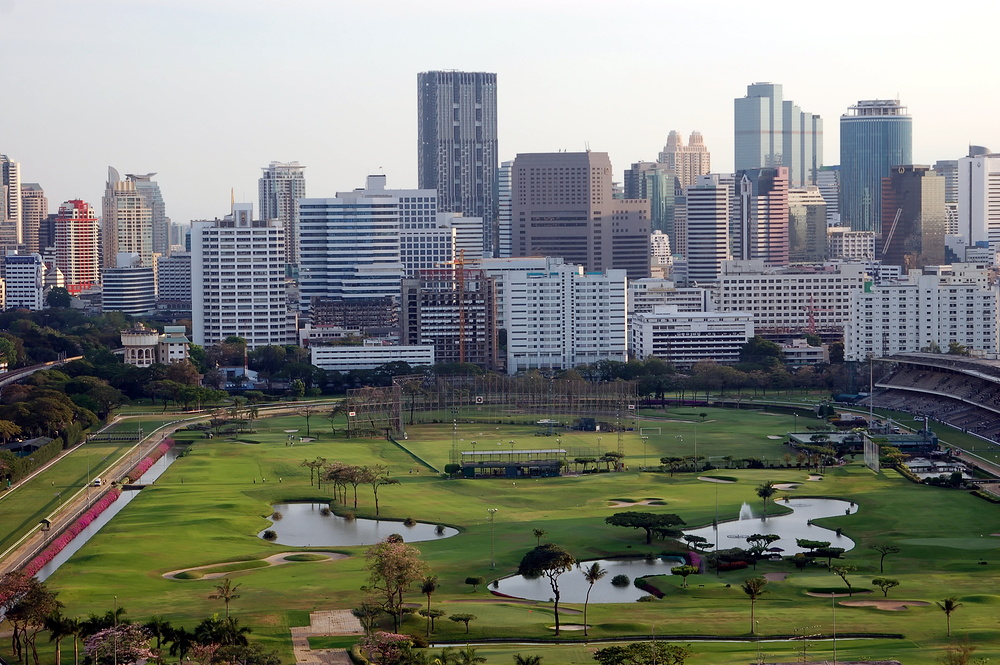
x=353, y=104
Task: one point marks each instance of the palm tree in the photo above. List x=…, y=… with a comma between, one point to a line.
x=226, y=592
x=181, y=642
x=527, y=660
x=592, y=575
x=753, y=587
x=539, y=534
x=469, y=657
x=427, y=587
x=765, y=491
x=59, y=627
x=949, y=605
x=160, y=629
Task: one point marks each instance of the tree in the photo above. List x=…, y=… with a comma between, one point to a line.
x=672, y=464
x=475, y=581
x=753, y=587
x=432, y=615
x=468, y=655
x=643, y=653
x=8, y=430
x=551, y=561
x=830, y=553
x=307, y=412
x=885, y=584
x=698, y=542
x=428, y=586
x=812, y=545
x=28, y=603
x=759, y=351
x=368, y=613
x=463, y=618
x=377, y=476
x=592, y=574
x=759, y=542
x=122, y=644
x=683, y=572
x=160, y=629
x=58, y=296
x=765, y=491
x=247, y=654
x=884, y=550
x=539, y=534
x=59, y=627
x=530, y=659
x=221, y=632
x=948, y=606
x=393, y=566
x=387, y=648
x=226, y=592
x=181, y=642
x=647, y=521
x=842, y=572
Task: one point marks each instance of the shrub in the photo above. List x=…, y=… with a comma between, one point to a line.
x=452, y=469
x=271, y=535
x=64, y=539
x=276, y=515
x=646, y=599
x=349, y=516
x=650, y=557
x=620, y=580
x=409, y=521
x=733, y=565
x=439, y=529
x=325, y=511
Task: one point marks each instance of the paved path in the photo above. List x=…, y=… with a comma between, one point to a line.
x=331, y=622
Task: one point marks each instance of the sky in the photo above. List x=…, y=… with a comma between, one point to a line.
x=206, y=92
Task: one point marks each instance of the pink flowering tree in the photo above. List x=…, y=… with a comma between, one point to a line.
x=386, y=648
x=124, y=643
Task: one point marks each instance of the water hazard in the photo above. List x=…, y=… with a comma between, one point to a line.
x=305, y=525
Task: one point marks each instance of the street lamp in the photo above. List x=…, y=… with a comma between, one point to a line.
x=599, y=439
x=492, y=521
x=644, y=440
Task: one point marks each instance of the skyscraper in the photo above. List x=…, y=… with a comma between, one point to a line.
x=761, y=207
x=807, y=241
x=160, y=223
x=771, y=131
x=10, y=202
x=34, y=209
x=457, y=143
x=659, y=185
x=979, y=199
x=913, y=217
x=77, y=245
x=126, y=221
x=875, y=135
x=279, y=187
x=707, y=228
x=563, y=206
x=686, y=161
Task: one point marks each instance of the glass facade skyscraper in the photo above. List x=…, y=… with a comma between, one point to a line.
x=875, y=135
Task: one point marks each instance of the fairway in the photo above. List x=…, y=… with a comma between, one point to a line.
x=206, y=509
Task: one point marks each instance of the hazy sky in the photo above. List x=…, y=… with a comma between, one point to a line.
x=206, y=92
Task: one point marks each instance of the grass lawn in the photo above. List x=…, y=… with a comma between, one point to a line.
x=207, y=509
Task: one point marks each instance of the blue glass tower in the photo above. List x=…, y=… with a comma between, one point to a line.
x=875, y=136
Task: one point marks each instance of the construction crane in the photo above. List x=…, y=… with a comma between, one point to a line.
x=892, y=230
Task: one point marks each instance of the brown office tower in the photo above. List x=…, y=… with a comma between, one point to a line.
x=563, y=206
x=455, y=310
x=913, y=218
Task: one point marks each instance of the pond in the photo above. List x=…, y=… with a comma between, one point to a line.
x=304, y=525
x=788, y=526
x=573, y=586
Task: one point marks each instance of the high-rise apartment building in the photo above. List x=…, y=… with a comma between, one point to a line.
x=10, y=203
x=707, y=212
x=23, y=276
x=771, y=131
x=457, y=143
x=875, y=135
x=660, y=186
x=913, y=217
x=34, y=209
x=126, y=221
x=828, y=181
x=761, y=215
x=280, y=186
x=503, y=248
x=563, y=205
x=77, y=244
x=238, y=281
x=173, y=280
x=979, y=199
x=159, y=222
x=807, y=227
x=686, y=162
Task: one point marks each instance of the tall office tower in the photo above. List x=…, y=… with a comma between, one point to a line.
x=979, y=199
x=238, y=281
x=760, y=204
x=47, y=232
x=173, y=281
x=913, y=217
x=10, y=203
x=455, y=311
x=457, y=143
x=349, y=245
x=34, y=208
x=129, y=287
x=126, y=221
x=503, y=248
x=154, y=199
x=77, y=244
x=280, y=186
x=660, y=186
x=563, y=206
x=807, y=242
x=875, y=135
x=23, y=276
x=771, y=131
x=948, y=169
x=707, y=228
x=687, y=162
x=828, y=181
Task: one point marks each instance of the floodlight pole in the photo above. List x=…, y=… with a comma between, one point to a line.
x=492, y=521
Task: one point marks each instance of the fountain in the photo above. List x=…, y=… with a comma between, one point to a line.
x=746, y=512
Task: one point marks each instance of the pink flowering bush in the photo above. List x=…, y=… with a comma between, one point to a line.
x=148, y=462
x=123, y=644
x=694, y=559
x=67, y=536
x=386, y=648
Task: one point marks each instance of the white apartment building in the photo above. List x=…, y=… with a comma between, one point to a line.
x=130, y=289
x=23, y=275
x=238, y=281
x=173, y=278
x=426, y=245
x=644, y=294
x=933, y=307
x=792, y=299
x=685, y=338
x=847, y=245
x=660, y=256
x=369, y=356
x=979, y=199
x=280, y=187
x=561, y=317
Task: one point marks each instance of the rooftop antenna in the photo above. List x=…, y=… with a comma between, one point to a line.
x=232, y=200
x=587, y=145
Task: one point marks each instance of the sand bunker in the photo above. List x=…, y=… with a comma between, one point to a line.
x=814, y=477
x=785, y=486
x=857, y=592
x=644, y=502
x=708, y=479
x=887, y=605
x=570, y=626
x=775, y=577
x=273, y=560
x=774, y=437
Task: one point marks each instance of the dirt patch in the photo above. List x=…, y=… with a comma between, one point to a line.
x=714, y=480
x=273, y=560
x=887, y=605
x=775, y=577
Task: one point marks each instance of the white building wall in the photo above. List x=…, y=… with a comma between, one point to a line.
x=644, y=294
x=685, y=338
x=979, y=199
x=369, y=356
x=23, y=276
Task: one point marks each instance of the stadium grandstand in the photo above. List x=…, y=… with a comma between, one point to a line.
x=955, y=390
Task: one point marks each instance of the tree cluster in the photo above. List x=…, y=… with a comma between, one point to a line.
x=342, y=475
